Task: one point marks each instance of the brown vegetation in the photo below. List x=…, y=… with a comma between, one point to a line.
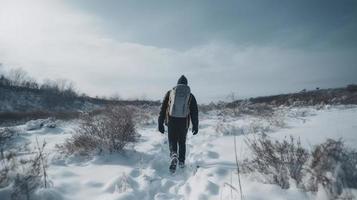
x=110, y=131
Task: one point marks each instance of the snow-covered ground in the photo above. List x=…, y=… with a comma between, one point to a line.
x=141, y=172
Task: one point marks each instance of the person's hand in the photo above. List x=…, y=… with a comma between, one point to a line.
x=161, y=128
x=194, y=130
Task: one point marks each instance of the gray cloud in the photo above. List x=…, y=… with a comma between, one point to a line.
x=137, y=48
x=184, y=24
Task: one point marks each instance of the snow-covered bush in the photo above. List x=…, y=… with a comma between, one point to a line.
x=110, y=131
x=278, y=160
x=5, y=166
x=145, y=115
x=228, y=129
x=22, y=176
x=5, y=135
x=39, y=123
x=250, y=124
x=258, y=109
x=333, y=166
x=330, y=164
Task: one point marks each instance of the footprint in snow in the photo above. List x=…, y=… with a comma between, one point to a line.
x=93, y=184
x=212, y=154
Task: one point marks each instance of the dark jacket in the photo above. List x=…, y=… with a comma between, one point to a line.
x=193, y=115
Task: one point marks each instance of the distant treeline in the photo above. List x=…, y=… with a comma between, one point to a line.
x=18, y=79
x=21, y=93
x=335, y=96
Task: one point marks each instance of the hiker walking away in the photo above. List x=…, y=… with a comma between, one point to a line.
x=178, y=108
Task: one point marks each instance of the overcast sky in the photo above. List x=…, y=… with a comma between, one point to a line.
x=140, y=48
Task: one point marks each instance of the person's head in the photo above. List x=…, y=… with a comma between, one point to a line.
x=182, y=80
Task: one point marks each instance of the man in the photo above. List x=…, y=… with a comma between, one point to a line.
x=178, y=108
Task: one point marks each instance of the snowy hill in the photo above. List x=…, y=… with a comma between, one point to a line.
x=335, y=96
x=23, y=103
x=23, y=99
x=141, y=171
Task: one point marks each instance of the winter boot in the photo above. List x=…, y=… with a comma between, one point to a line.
x=173, y=164
x=182, y=164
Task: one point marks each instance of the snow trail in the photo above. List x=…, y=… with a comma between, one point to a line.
x=141, y=173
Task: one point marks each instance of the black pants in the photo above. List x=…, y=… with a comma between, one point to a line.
x=177, y=133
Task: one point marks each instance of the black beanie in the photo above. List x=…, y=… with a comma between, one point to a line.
x=182, y=80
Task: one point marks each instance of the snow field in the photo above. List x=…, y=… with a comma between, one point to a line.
x=141, y=172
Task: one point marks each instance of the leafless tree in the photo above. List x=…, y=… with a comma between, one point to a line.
x=64, y=85
x=115, y=97
x=18, y=77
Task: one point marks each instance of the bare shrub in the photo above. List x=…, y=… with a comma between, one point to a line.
x=5, y=135
x=31, y=177
x=6, y=165
x=111, y=131
x=259, y=109
x=25, y=175
x=229, y=129
x=330, y=164
x=333, y=166
x=258, y=125
x=145, y=115
x=280, y=160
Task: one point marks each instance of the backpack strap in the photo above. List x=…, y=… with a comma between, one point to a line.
x=168, y=109
x=189, y=114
